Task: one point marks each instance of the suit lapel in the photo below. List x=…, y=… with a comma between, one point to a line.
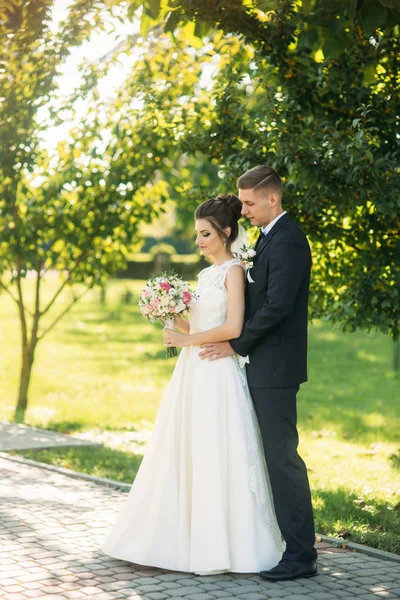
x=264, y=243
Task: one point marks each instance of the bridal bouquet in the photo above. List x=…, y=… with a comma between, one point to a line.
x=163, y=297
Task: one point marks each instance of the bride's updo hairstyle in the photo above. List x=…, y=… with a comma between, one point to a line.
x=222, y=212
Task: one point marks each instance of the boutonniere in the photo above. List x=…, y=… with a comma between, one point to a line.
x=246, y=255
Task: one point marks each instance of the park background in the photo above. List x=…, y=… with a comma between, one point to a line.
x=117, y=119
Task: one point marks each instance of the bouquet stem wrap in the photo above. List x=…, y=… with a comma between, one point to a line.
x=171, y=350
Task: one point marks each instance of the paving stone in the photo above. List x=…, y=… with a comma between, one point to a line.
x=276, y=593
x=209, y=587
x=181, y=591
x=227, y=584
x=335, y=585
x=237, y=589
x=110, y=596
x=169, y=585
x=172, y=576
x=361, y=572
x=298, y=597
x=291, y=584
x=200, y=597
x=369, y=597
x=73, y=595
x=366, y=581
x=147, y=588
x=253, y=596
x=193, y=581
x=321, y=596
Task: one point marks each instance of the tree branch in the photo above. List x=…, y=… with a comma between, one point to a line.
x=64, y=312
x=9, y=292
x=78, y=262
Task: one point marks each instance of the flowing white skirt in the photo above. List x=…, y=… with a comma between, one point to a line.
x=201, y=499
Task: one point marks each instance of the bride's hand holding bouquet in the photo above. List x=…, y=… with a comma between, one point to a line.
x=175, y=339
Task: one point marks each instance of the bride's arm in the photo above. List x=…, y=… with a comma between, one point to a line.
x=181, y=323
x=233, y=325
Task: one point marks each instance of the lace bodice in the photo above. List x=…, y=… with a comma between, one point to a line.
x=210, y=308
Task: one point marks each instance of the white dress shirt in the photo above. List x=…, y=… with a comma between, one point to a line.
x=268, y=227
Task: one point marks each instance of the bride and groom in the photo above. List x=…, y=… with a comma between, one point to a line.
x=221, y=487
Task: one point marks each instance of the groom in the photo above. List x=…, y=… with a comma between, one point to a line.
x=274, y=336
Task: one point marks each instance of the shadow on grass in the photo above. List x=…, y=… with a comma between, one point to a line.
x=75, y=426
x=66, y=426
x=351, y=387
x=394, y=460
x=98, y=461
x=356, y=518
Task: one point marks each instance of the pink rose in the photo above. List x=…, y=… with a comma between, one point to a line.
x=164, y=285
x=155, y=303
x=187, y=296
x=146, y=294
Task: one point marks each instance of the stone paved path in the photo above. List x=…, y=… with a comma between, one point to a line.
x=51, y=528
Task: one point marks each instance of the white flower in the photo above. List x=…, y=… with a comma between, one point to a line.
x=245, y=255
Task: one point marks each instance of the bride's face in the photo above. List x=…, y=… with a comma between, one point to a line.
x=208, y=238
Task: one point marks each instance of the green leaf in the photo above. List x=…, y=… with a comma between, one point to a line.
x=334, y=45
x=202, y=28
x=146, y=23
x=308, y=39
x=172, y=21
x=394, y=4
x=189, y=33
x=371, y=16
x=152, y=8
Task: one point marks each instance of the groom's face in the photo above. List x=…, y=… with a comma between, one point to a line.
x=258, y=207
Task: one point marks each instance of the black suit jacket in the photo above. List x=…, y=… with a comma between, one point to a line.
x=274, y=334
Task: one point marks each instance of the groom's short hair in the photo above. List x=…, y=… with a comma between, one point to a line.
x=261, y=178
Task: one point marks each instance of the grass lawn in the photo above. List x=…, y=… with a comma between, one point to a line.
x=101, y=372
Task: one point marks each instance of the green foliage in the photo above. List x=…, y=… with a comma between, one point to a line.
x=312, y=89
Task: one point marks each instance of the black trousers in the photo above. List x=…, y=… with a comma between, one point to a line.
x=277, y=416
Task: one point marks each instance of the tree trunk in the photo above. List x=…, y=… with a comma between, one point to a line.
x=25, y=378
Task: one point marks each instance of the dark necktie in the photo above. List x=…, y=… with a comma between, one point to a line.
x=259, y=239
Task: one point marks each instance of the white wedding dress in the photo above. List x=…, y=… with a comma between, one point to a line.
x=201, y=500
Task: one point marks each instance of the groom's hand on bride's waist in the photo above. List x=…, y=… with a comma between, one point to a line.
x=216, y=350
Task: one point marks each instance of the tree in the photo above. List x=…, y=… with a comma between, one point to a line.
x=76, y=210
x=312, y=89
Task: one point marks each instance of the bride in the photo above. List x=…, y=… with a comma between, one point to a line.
x=201, y=501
